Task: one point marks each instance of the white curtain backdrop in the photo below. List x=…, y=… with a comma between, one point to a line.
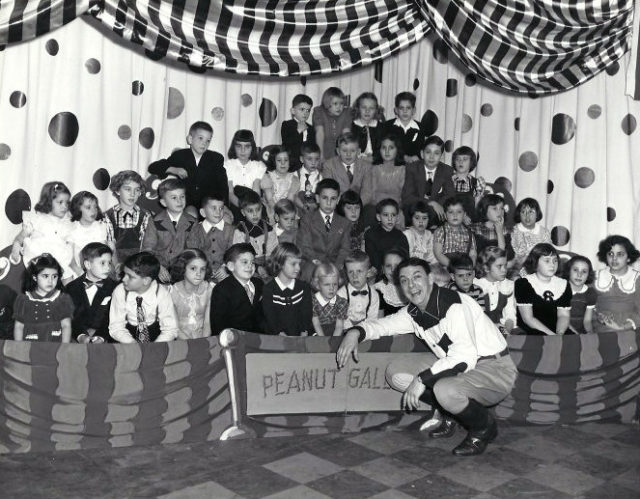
x=78, y=106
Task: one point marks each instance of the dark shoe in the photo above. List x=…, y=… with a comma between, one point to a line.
x=445, y=429
x=476, y=441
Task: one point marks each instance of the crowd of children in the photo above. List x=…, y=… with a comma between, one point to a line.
x=305, y=243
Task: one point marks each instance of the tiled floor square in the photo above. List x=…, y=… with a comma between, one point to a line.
x=347, y=485
x=521, y=488
x=512, y=461
x=567, y=480
x=433, y=486
x=303, y=467
x=431, y=459
x=611, y=491
x=390, y=472
x=207, y=489
x=630, y=478
x=541, y=448
x=598, y=466
x=631, y=436
x=476, y=474
x=386, y=442
x=254, y=481
x=343, y=453
x=299, y=492
x=391, y=494
x=572, y=438
x=617, y=451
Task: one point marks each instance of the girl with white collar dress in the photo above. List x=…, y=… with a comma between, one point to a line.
x=528, y=230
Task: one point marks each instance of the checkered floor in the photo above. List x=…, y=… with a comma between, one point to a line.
x=589, y=461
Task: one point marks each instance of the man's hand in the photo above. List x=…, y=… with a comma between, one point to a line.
x=164, y=275
x=220, y=274
x=349, y=346
x=178, y=172
x=437, y=208
x=411, y=396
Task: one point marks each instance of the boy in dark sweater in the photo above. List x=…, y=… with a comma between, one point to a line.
x=385, y=236
x=405, y=127
x=297, y=131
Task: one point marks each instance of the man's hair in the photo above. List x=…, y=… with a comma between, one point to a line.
x=405, y=96
x=301, y=99
x=94, y=250
x=284, y=207
x=357, y=256
x=327, y=183
x=200, y=125
x=249, y=198
x=235, y=250
x=171, y=184
x=144, y=264
x=411, y=262
x=387, y=202
x=309, y=148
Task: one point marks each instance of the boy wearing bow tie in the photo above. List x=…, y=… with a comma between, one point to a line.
x=363, y=303
x=91, y=295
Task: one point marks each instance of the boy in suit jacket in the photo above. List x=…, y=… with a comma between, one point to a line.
x=91, y=295
x=296, y=132
x=346, y=168
x=405, y=127
x=323, y=235
x=235, y=302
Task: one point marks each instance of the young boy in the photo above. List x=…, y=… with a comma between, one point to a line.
x=91, y=295
x=254, y=230
x=142, y=309
x=323, y=235
x=235, y=302
x=385, y=236
x=166, y=236
x=453, y=238
x=346, y=168
x=406, y=127
x=296, y=132
x=462, y=273
x=126, y=221
x=285, y=216
x=364, y=302
x=202, y=170
x=213, y=235
x=309, y=176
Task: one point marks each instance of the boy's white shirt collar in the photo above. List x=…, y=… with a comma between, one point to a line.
x=150, y=290
x=304, y=171
x=535, y=230
x=283, y=286
x=321, y=299
x=412, y=124
x=196, y=157
x=371, y=124
x=173, y=218
x=278, y=230
x=325, y=215
x=207, y=226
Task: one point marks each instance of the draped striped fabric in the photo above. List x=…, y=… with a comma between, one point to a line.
x=633, y=70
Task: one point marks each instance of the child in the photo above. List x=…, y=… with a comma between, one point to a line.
x=490, y=229
x=330, y=311
x=453, y=238
x=579, y=273
x=461, y=269
x=244, y=168
x=296, y=132
x=309, y=176
x=330, y=120
x=213, y=235
x=142, y=309
x=467, y=187
x=7, y=300
x=235, y=302
x=126, y=221
x=346, y=168
x=390, y=296
x=286, y=227
x=47, y=230
x=254, y=230
x=166, y=236
x=278, y=183
x=201, y=170
x=363, y=301
x=491, y=273
x=323, y=235
x=87, y=226
x=43, y=312
x=91, y=295
x=350, y=207
x=286, y=300
x=191, y=294
x=528, y=230
x=405, y=127
x=420, y=239
x=366, y=127
x=543, y=300
x=385, y=236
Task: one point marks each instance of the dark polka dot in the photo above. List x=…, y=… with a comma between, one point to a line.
x=440, y=52
x=377, y=71
x=137, y=87
x=64, y=128
x=467, y=123
x=154, y=55
x=347, y=100
x=416, y=84
x=175, y=105
x=2, y=47
x=429, y=123
x=560, y=235
x=584, y=177
x=147, y=137
x=470, y=80
x=611, y=214
x=52, y=47
x=486, y=110
x=612, y=69
x=5, y=151
x=217, y=113
x=504, y=183
x=101, y=179
x=516, y=124
x=448, y=145
x=17, y=99
x=528, y=161
x=532, y=95
x=452, y=87
x=124, y=132
x=594, y=111
x=303, y=81
x=17, y=202
x=268, y=112
x=92, y=66
x=628, y=124
x=550, y=186
x=197, y=69
x=563, y=128
x=246, y=100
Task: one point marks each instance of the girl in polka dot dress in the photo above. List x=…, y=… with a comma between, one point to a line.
x=330, y=120
x=43, y=312
x=278, y=183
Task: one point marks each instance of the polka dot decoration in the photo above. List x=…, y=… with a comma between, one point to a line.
x=101, y=179
x=197, y=69
x=594, y=111
x=246, y=100
x=5, y=151
x=584, y=177
x=268, y=112
x=137, y=87
x=532, y=95
x=153, y=55
x=147, y=137
x=628, y=124
x=175, y=104
x=563, y=128
x=416, y=84
x=266, y=153
x=92, y=66
x=516, y=124
x=503, y=183
x=303, y=81
x=429, y=122
x=17, y=99
x=440, y=51
x=52, y=47
x=528, y=161
x=17, y=202
x=560, y=235
x=550, y=186
x=377, y=71
x=217, y=113
x=612, y=69
x=486, y=109
x=452, y=87
x=470, y=80
x=467, y=123
x=611, y=214
x=448, y=146
x=64, y=128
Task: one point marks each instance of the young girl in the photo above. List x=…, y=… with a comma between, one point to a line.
x=420, y=239
x=278, y=183
x=244, y=168
x=543, y=300
x=329, y=310
x=366, y=125
x=491, y=277
x=43, y=312
x=87, y=226
x=286, y=300
x=490, y=229
x=467, y=187
x=331, y=119
x=191, y=294
x=391, y=299
x=579, y=273
x=528, y=230
x=47, y=230
x=350, y=207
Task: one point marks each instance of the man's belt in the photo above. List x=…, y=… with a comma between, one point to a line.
x=503, y=353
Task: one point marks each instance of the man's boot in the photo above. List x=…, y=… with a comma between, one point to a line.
x=482, y=429
x=446, y=428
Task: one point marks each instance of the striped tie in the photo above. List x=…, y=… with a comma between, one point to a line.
x=143, y=332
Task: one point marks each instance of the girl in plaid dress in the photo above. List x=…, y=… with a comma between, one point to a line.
x=329, y=310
